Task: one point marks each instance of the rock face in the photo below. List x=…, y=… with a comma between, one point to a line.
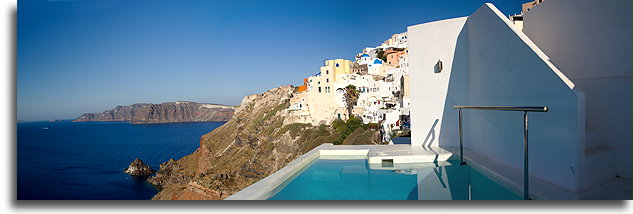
x=170, y=112
x=252, y=145
x=138, y=168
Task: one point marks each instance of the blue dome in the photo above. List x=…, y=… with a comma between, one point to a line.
x=377, y=61
x=364, y=55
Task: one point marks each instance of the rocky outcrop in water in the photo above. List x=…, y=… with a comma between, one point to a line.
x=170, y=112
x=138, y=168
x=252, y=145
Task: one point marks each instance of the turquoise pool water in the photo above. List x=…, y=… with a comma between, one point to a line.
x=354, y=179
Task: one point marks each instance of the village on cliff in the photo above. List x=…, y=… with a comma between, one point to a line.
x=374, y=88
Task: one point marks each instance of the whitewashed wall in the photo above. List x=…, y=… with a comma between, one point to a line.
x=506, y=68
x=590, y=41
x=489, y=62
x=429, y=43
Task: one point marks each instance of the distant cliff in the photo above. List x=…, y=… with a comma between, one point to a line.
x=252, y=145
x=170, y=112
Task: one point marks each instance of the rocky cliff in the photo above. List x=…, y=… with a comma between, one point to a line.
x=170, y=112
x=252, y=145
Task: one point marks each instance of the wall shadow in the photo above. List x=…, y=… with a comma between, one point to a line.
x=430, y=137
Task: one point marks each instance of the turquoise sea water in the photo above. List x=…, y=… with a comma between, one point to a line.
x=66, y=160
x=356, y=180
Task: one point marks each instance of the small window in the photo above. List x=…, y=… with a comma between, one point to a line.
x=327, y=80
x=327, y=72
x=337, y=65
x=319, y=89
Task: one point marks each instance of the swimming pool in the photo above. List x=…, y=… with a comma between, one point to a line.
x=355, y=179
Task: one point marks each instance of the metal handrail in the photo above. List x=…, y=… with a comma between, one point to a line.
x=506, y=108
x=524, y=109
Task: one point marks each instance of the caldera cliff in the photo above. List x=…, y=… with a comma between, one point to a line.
x=252, y=145
x=170, y=112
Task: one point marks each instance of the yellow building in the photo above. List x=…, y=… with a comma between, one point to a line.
x=320, y=97
x=336, y=67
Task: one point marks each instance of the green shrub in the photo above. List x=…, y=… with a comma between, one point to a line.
x=347, y=128
x=360, y=137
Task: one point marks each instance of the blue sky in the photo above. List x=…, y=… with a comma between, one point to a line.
x=90, y=56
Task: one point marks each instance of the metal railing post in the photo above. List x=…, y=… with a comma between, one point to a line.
x=461, y=140
x=526, y=180
x=525, y=110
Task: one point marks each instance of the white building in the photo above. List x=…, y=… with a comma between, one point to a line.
x=574, y=58
x=596, y=56
x=405, y=89
x=370, y=96
x=398, y=40
x=363, y=59
x=375, y=66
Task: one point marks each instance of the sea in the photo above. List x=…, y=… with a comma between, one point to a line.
x=66, y=160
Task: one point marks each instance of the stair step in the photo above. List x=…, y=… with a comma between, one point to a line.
x=597, y=150
x=599, y=164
